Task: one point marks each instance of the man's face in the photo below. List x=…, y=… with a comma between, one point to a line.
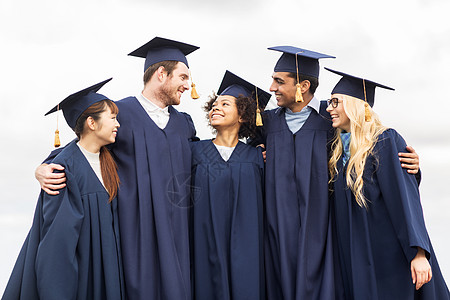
x=284, y=88
x=175, y=84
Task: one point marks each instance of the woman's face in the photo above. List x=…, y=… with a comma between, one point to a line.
x=337, y=112
x=224, y=113
x=106, y=127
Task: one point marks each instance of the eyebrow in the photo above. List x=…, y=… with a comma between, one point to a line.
x=277, y=78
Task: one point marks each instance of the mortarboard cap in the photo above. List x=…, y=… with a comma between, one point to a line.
x=74, y=105
x=234, y=85
x=356, y=87
x=161, y=49
x=303, y=61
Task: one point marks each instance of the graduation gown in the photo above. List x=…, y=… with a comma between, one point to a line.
x=154, y=167
x=376, y=245
x=227, y=220
x=72, y=250
x=298, y=249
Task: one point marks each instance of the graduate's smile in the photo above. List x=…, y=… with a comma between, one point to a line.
x=337, y=112
x=224, y=112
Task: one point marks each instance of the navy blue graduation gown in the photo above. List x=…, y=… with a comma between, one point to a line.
x=227, y=223
x=298, y=236
x=154, y=168
x=73, y=248
x=375, y=246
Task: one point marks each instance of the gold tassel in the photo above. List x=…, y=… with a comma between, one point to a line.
x=194, y=94
x=258, y=118
x=258, y=112
x=57, y=141
x=298, y=94
x=367, y=114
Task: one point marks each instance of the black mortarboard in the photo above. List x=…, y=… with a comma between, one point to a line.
x=295, y=59
x=74, y=105
x=234, y=85
x=356, y=87
x=161, y=49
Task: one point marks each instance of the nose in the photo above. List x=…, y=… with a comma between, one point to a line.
x=273, y=87
x=329, y=108
x=186, y=85
x=117, y=124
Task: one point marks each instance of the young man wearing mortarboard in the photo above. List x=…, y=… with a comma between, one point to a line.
x=298, y=250
x=154, y=163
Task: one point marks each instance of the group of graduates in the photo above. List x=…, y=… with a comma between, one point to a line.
x=316, y=204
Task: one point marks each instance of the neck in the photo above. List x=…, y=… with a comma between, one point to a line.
x=150, y=94
x=227, y=137
x=298, y=106
x=90, y=144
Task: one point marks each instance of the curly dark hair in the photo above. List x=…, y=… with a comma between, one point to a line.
x=246, y=107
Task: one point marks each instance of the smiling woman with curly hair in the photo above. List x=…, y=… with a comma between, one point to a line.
x=227, y=196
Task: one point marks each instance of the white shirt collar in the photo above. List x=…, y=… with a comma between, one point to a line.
x=150, y=106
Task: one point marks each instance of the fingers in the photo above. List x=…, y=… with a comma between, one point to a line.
x=262, y=146
x=413, y=274
x=264, y=155
x=56, y=167
x=409, y=161
x=410, y=149
x=421, y=276
x=50, y=192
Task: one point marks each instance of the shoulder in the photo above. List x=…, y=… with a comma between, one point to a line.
x=66, y=156
x=249, y=153
x=272, y=112
x=199, y=145
x=390, y=142
x=390, y=136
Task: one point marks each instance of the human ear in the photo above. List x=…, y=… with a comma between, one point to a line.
x=161, y=72
x=305, y=85
x=90, y=122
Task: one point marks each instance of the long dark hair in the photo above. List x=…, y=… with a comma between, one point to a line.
x=108, y=166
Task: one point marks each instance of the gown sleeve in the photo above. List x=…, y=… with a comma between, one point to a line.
x=400, y=193
x=56, y=258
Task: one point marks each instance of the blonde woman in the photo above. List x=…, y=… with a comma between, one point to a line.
x=382, y=245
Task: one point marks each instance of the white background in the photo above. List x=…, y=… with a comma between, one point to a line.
x=52, y=48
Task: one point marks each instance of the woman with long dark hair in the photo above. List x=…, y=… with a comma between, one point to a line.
x=382, y=245
x=73, y=248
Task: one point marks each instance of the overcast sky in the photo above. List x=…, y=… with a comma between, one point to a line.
x=52, y=48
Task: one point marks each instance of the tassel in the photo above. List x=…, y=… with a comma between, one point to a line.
x=57, y=141
x=258, y=118
x=298, y=94
x=367, y=114
x=194, y=94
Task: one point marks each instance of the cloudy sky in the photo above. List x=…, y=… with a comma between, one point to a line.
x=52, y=48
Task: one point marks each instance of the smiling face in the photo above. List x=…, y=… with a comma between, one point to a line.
x=174, y=85
x=224, y=113
x=338, y=115
x=284, y=88
x=106, y=127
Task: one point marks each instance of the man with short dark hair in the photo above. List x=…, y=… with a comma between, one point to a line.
x=154, y=162
x=298, y=236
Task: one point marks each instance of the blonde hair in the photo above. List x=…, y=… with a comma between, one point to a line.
x=364, y=135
